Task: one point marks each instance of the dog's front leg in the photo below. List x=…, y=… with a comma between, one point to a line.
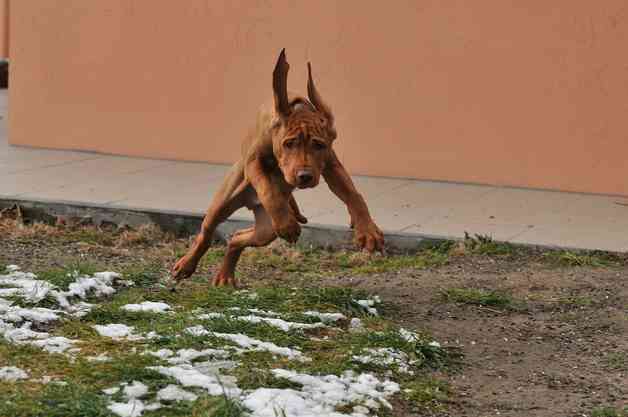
x=367, y=235
x=275, y=196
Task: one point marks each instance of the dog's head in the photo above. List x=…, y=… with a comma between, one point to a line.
x=304, y=132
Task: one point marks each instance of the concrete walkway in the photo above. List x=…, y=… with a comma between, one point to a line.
x=399, y=206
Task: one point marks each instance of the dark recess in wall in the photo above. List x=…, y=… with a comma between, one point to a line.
x=4, y=74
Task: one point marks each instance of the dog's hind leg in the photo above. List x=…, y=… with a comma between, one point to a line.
x=259, y=235
x=233, y=194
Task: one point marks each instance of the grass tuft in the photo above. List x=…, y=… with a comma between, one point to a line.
x=596, y=259
x=427, y=394
x=485, y=245
x=609, y=412
x=487, y=298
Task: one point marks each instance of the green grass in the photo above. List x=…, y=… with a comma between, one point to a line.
x=53, y=400
x=316, y=262
x=66, y=274
x=609, y=412
x=617, y=361
x=577, y=301
x=485, y=245
x=427, y=394
x=583, y=258
x=486, y=298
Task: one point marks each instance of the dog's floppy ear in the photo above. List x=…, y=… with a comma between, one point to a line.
x=280, y=85
x=316, y=99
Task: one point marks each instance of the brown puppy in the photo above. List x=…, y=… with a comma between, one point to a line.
x=290, y=147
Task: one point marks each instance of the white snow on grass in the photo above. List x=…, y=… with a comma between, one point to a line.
x=147, y=306
x=117, y=331
x=135, y=390
x=321, y=395
x=385, y=357
x=111, y=391
x=369, y=304
x=174, y=393
x=11, y=374
x=326, y=317
x=18, y=314
x=211, y=316
x=16, y=321
x=249, y=344
x=134, y=407
x=58, y=344
x=356, y=325
x=281, y=324
x=190, y=355
x=189, y=376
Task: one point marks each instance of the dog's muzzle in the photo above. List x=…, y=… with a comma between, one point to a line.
x=305, y=178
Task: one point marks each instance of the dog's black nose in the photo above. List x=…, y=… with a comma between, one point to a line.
x=305, y=176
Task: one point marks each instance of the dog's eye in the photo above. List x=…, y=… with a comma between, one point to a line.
x=318, y=145
x=290, y=143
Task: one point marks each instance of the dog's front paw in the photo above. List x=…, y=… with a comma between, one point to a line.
x=184, y=268
x=368, y=236
x=288, y=229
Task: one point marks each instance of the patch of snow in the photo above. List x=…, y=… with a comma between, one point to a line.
x=36, y=314
x=189, y=376
x=12, y=268
x=32, y=290
x=117, y=331
x=133, y=408
x=385, y=357
x=20, y=334
x=147, y=306
x=57, y=344
x=152, y=335
x=161, y=353
x=408, y=336
x=111, y=391
x=369, y=304
x=189, y=355
x=356, y=325
x=135, y=390
x=434, y=343
x=153, y=406
x=174, y=393
x=321, y=395
x=251, y=344
x=211, y=316
x=197, y=331
x=326, y=317
x=26, y=285
x=11, y=374
x=279, y=323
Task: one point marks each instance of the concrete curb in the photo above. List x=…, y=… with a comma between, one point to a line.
x=188, y=223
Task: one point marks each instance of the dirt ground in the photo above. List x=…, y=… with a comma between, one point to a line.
x=557, y=347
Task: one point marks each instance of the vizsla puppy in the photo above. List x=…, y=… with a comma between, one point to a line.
x=289, y=147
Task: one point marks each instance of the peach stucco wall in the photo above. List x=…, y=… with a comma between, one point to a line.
x=4, y=28
x=515, y=92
